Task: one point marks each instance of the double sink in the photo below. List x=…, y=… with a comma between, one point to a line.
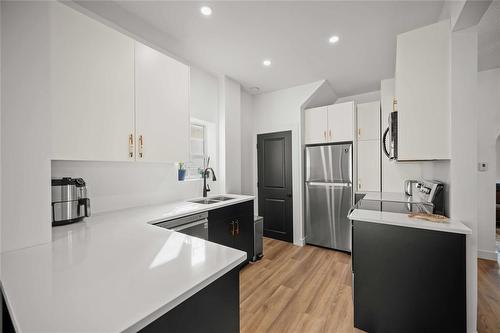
x=211, y=200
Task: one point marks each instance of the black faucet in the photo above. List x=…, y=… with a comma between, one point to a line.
x=206, y=173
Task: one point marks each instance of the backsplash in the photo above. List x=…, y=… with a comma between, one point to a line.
x=119, y=185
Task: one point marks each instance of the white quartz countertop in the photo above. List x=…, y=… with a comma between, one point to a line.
x=113, y=272
x=403, y=220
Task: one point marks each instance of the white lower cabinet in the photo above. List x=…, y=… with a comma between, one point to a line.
x=92, y=88
x=368, y=165
x=162, y=107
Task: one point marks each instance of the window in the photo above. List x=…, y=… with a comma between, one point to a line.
x=197, y=149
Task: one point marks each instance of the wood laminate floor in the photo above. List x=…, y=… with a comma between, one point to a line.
x=488, y=302
x=296, y=289
x=308, y=289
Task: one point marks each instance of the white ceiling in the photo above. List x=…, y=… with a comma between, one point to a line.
x=294, y=35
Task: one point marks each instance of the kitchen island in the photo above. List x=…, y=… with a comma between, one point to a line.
x=117, y=272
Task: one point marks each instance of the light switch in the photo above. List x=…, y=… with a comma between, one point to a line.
x=483, y=166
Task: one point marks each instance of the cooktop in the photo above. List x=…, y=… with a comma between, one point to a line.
x=394, y=206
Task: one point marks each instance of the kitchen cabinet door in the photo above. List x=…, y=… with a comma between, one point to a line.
x=340, y=122
x=423, y=92
x=92, y=88
x=369, y=165
x=220, y=231
x=316, y=121
x=162, y=107
x=244, y=238
x=368, y=121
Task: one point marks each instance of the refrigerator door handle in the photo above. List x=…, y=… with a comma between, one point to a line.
x=329, y=184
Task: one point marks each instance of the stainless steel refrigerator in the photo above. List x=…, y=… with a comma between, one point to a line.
x=328, y=195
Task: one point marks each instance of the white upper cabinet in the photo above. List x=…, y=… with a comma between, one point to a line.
x=340, y=122
x=422, y=91
x=162, y=107
x=369, y=121
x=332, y=123
x=92, y=88
x=316, y=122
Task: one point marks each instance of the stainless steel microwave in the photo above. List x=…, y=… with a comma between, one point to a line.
x=392, y=132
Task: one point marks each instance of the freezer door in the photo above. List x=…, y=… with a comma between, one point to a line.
x=327, y=206
x=329, y=163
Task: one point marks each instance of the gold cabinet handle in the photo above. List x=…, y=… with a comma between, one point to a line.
x=324, y=134
x=359, y=132
x=141, y=146
x=130, y=146
x=237, y=227
x=232, y=228
x=330, y=134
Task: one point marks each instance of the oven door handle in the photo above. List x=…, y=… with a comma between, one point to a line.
x=189, y=225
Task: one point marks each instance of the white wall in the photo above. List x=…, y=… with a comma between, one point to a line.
x=498, y=159
x=463, y=167
x=488, y=130
x=118, y=185
x=25, y=124
x=247, y=147
x=230, y=137
x=282, y=111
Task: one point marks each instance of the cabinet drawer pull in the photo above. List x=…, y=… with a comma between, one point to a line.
x=131, y=145
x=141, y=146
x=324, y=134
x=237, y=227
x=330, y=134
x=359, y=132
x=232, y=228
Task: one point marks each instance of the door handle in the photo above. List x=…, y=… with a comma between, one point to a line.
x=141, y=146
x=130, y=146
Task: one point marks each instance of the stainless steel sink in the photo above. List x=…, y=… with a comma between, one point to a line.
x=204, y=201
x=221, y=198
x=211, y=200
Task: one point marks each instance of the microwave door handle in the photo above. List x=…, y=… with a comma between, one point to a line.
x=384, y=147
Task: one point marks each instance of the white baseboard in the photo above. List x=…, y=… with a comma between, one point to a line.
x=489, y=255
x=300, y=242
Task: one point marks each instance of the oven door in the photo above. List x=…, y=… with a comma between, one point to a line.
x=196, y=229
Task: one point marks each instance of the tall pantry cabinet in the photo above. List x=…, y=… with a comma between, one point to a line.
x=368, y=161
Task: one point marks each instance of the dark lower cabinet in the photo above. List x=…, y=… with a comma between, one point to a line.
x=407, y=279
x=233, y=226
x=215, y=308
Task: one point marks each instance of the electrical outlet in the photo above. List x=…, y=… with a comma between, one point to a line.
x=483, y=166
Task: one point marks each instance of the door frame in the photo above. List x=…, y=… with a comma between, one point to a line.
x=297, y=220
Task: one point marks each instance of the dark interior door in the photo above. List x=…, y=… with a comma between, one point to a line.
x=275, y=184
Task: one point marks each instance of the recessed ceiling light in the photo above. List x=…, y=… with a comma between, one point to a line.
x=205, y=10
x=333, y=39
x=266, y=62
